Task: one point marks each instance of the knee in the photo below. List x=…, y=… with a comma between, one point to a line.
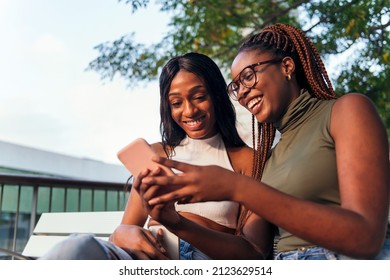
x=78, y=247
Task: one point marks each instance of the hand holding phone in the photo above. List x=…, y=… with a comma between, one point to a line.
x=137, y=156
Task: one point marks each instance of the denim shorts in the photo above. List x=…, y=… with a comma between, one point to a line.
x=189, y=252
x=384, y=254
x=311, y=253
x=319, y=253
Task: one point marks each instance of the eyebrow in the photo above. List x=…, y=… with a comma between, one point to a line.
x=173, y=94
x=237, y=76
x=191, y=90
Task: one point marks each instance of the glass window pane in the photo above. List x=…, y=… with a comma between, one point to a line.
x=99, y=199
x=43, y=199
x=26, y=199
x=72, y=200
x=10, y=198
x=86, y=200
x=58, y=200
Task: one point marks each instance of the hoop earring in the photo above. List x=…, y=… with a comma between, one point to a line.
x=288, y=77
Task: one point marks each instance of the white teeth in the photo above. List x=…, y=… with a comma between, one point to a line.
x=193, y=123
x=252, y=103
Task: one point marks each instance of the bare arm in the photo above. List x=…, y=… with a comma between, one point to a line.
x=131, y=234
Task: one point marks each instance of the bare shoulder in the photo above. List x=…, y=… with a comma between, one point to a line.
x=241, y=159
x=355, y=115
x=158, y=148
x=353, y=103
x=241, y=151
x=354, y=108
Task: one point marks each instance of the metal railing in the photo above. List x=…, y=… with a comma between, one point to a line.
x=24, y=197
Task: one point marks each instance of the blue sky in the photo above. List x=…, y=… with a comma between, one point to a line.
x=48, y=100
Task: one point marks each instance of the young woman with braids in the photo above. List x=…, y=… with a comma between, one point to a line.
x=325, y=184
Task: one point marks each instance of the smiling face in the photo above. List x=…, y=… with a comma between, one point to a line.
x=271, y=95
x=191, y=106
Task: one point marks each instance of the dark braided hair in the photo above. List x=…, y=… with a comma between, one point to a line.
x=284, y=40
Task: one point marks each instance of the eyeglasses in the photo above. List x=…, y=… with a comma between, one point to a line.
x=247, y=78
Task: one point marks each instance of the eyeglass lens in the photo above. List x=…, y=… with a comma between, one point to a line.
x=247, y=78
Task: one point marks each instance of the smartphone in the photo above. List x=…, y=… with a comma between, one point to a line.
x=169, y=241
x=137, y=156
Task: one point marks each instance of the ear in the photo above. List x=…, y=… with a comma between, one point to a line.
x=288, y=66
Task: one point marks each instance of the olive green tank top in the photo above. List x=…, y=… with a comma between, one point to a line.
x=303, y=162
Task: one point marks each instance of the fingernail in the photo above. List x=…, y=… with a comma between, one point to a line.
x=153, y=201
x=146, y=180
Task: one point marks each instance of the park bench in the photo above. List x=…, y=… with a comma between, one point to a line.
x=55, y=227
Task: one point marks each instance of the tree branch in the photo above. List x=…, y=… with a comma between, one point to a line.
x=272, y=18
x=325, y=18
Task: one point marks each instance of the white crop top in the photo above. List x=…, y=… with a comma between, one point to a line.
x=209, y=151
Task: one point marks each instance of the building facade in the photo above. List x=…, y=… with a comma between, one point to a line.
x=34, y=181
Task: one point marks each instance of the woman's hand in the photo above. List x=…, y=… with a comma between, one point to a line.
x=139, y=242
x=165, y=214
x=195, y=184
x=162, y=213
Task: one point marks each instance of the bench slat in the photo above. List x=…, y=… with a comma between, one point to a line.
x=99, y=223
x=55, y=227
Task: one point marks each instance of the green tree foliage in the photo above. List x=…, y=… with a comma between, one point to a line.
x=355, y=29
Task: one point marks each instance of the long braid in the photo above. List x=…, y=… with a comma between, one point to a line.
x=267, y=138
x=284, y=40
x=310, y=60
x=255, y=165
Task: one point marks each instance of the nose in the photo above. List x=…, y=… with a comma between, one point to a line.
x=242, y=92
x=189, y=109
